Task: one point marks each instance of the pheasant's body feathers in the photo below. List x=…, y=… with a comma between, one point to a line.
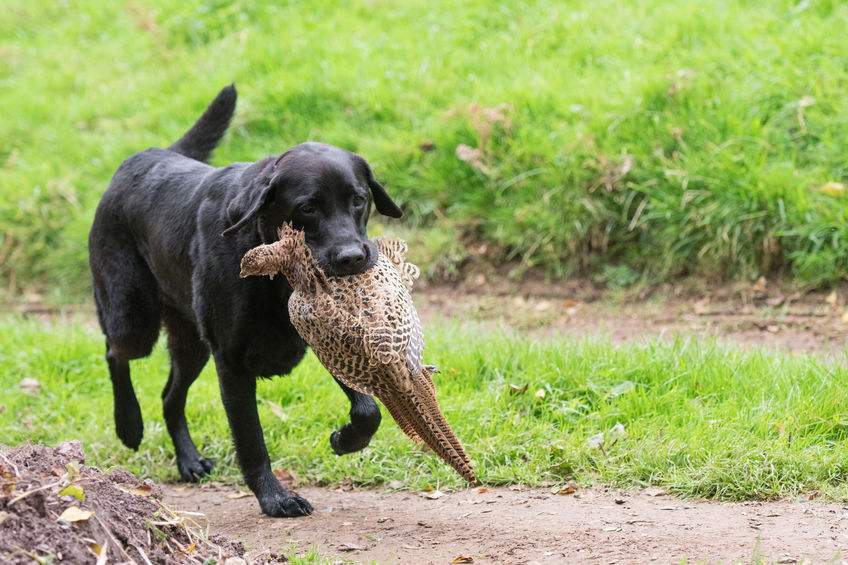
x=366, y=332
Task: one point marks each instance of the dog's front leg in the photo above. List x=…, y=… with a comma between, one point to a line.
x=238, y=393
x=364, y=421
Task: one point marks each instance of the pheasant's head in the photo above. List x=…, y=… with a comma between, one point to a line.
x=289, y=255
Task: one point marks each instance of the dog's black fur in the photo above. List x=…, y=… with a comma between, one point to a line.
x=165, y=248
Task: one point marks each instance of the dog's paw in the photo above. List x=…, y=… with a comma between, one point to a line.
x=345, y=440
x=194, y=468
x=129, y=426
x=285, y=505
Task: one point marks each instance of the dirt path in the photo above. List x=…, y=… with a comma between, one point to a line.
x=744, y=315
x=504, y=526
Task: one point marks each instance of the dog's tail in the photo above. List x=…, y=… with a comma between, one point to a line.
x=199, y=142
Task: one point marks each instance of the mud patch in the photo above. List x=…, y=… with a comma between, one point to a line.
x=54, y=508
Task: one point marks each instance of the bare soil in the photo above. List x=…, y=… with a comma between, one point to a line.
x=758, y=314
x=505, y=526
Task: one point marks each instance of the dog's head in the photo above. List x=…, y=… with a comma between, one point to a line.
x=324, y=191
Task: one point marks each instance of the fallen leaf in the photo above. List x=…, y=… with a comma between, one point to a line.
x=30, y=386
x=832, y=298
x=833, y=188
x=471, y=155
x=569, y=488
x=103, y=553
x=701, y=306
x=278, y=411
x=463, y=559
x=140, y=490
x=75, y=514
x=427, y=145
x=413, y=547
x=655, y=491
x=73, y=490
x=435, y=495
x=428, y=488
x=3, y=516
x=285, y=476
x=515, y=389
x=240, y=494
x=351, y=547
x=517, y=487
x=482, y=489
x=8, y=488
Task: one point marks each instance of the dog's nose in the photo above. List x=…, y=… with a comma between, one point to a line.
x=351, y=259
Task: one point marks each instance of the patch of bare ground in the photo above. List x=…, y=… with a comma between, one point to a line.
x=509, y=526
x=758, y=314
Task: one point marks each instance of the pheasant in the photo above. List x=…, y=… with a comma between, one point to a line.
x=365, y=330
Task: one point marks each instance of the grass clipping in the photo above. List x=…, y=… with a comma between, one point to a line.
x=55, y=508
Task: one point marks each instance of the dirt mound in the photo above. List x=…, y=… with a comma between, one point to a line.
x=54, y=508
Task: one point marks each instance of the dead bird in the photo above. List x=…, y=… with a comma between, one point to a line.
x=365, y=330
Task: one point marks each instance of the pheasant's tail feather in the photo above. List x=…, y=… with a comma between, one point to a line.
x=418, y=415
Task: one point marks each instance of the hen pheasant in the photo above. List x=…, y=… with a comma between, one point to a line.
x=366, y=332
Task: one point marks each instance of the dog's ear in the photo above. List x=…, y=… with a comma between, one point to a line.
x=382, y=201
x=258, y=192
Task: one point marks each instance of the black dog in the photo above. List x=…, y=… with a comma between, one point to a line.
x=165, y=247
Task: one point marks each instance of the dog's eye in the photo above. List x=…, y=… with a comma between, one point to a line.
x=307, y=209
x=359, y=201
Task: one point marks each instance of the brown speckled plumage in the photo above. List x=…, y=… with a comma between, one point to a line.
x=366, y=332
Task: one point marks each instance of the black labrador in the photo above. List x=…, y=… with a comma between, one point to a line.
x=165, y=248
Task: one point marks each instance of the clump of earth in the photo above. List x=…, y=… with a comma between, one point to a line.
x=56, y=509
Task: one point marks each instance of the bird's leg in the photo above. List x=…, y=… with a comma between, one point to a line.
x=364, y=421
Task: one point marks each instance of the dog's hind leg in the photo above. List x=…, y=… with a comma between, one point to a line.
x=129, y=425
x=189, y=354
x=127, y=299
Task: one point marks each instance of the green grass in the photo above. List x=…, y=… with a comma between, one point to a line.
x=697, y=418
x=654, y=138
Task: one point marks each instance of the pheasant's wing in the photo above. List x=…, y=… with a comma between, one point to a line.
x=392, y=330
x=395, y=250
x=336, y=337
